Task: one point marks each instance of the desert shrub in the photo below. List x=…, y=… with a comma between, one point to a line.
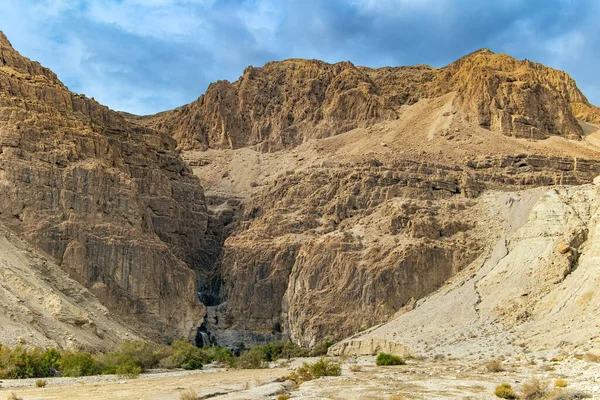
x=188, y=395
x=308, y=372
x=79, y=364
x=356, y=368
x=144, y=355
x=128, y=369
x=569, y=395
x=505, y=391
x=184, y=355
x=494, y=365
x=592, y=357
x=389, y=359
x=560, y=383
x=13, y=396
x=283, y=397
x=252, y=359
x=220, y=355
x=41, y=383
x=534, y=389
x=275, y=351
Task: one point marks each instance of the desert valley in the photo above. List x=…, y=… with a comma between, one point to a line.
x=444, y=217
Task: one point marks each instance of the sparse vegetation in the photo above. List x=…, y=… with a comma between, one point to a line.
x=356, y=368
x=534, y=389
x=569, y=395
x=592, y=357
x=389, y=359
x=41, y=383
x=560, y=383
x=505, y=391
x=188, y=395
x=254, y=358
x=308, y=372
x=283, y=397
x=494, y=365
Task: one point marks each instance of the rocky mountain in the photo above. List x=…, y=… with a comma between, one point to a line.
x=306, y=200
x=350, y=193
x=286, y=103
x=110, y=202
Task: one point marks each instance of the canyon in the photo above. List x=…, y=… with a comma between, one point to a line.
x=306, y=201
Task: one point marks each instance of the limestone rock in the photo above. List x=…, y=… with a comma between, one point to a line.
x=110, y=201
x=286, y=103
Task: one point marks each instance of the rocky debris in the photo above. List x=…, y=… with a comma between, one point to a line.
x=108, y=200
x=286, y=103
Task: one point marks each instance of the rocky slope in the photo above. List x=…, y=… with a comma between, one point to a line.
x=111, y=202
x=339, y=234
x=349, y=193
x=532, y=290
x=286, y=103
x=42, y=306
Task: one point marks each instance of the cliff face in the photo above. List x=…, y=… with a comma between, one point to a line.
x=359, y=191
x=111, y=202
x=286, y=103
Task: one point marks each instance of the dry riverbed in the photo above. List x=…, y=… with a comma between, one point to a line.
x=361, y=379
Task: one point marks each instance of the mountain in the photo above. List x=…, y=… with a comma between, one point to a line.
x=110, y=202
x=286, y=103
x=349, y=193
x=307, y=201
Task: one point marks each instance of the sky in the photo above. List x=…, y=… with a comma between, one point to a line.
x=146, y=56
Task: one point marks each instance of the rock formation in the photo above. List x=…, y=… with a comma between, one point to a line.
x=286, y=103
x=111, y=202
x=531, y=291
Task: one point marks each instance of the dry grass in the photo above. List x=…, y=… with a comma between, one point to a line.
x=569, y=395
x=534, y=389
x=494, y=365
x=41, y=383
x=592, y=357
x=356, y=368
x=188, y=395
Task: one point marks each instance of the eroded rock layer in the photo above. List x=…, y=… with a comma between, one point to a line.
x=110, y=201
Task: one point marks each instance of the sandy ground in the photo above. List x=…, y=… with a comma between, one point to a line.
x=361, y=379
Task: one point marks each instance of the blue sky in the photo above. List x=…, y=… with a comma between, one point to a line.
x=145, y=56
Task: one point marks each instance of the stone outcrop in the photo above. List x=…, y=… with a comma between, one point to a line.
x=285, y=103
x=320, y=254
x=110, y=201
x=532, y=291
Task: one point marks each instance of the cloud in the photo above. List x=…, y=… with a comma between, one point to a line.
x=145, y=56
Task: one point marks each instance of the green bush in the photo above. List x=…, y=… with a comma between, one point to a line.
x=389, y=359
x=275, y=351
x=252, y=359
x=128, y=369
x=79, y=364
x=220, y=355
x=308, y=372
x=20, y=363
x=183, y=354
